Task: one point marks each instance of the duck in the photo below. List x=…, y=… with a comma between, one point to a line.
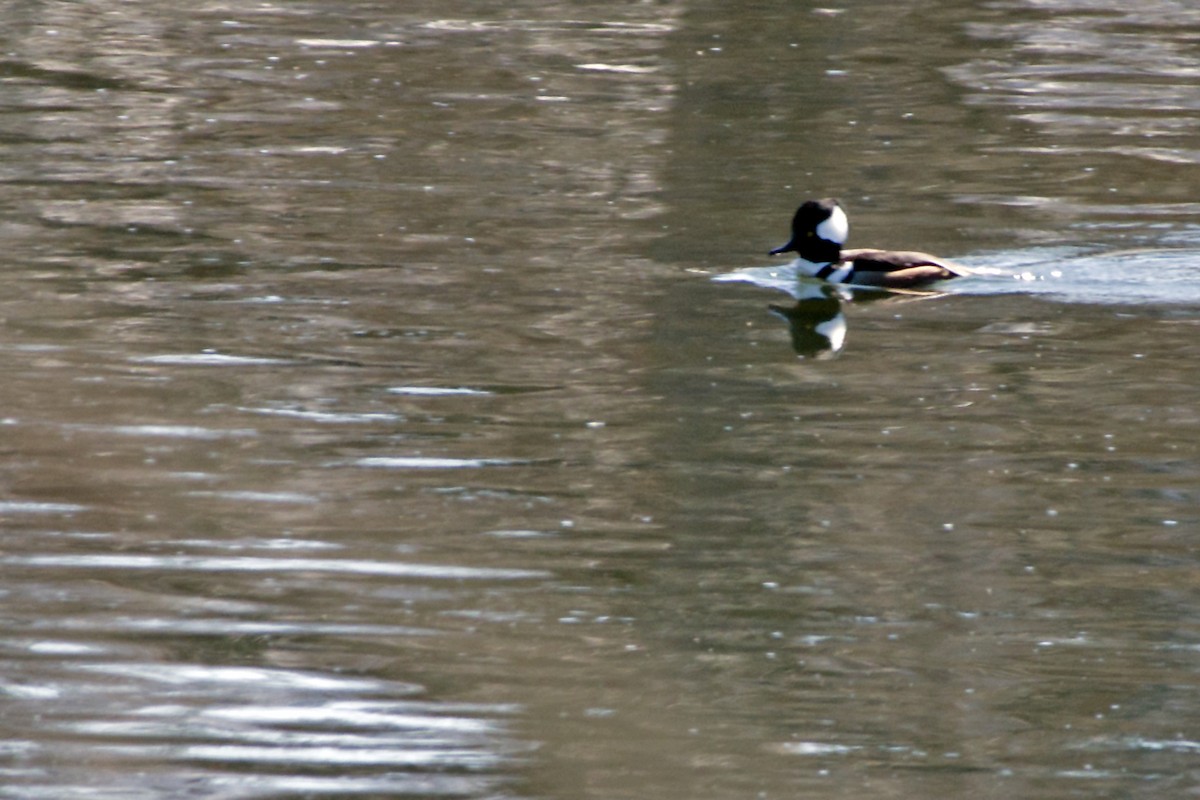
x=820, y=228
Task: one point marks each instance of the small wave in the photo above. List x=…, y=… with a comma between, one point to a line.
x=210, y=360
x=436, y=391
x=419, y=462
x=186, y=563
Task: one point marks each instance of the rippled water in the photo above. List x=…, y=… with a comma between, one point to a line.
x=373, y=425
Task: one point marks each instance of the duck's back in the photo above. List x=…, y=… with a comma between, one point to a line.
x=900, y=268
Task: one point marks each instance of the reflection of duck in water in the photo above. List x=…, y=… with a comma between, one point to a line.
x=819, y=230
x=816, y=321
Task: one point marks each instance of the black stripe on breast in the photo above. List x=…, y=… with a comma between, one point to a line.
x=824, y=272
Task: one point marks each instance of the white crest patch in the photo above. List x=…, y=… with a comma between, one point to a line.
x=836, y=228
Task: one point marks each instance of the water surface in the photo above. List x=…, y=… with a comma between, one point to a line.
x=373, y=426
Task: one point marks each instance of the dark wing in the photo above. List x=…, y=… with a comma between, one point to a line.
x=900, y=268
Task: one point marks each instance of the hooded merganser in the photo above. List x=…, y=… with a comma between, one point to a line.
x=819, y=230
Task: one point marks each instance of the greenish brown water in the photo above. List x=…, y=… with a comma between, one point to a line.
x=373, y=425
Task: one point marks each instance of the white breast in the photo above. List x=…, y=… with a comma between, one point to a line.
x=810, y=269
x=840, y=274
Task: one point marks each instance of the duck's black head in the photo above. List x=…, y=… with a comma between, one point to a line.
x=819, y=230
